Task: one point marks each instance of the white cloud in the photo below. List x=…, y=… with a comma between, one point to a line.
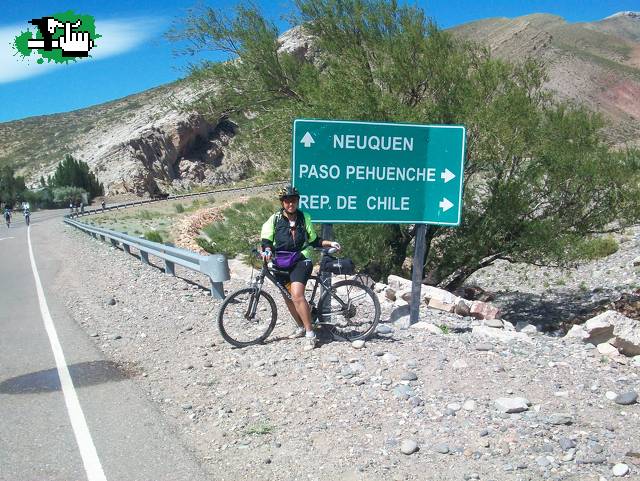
x=118, y=36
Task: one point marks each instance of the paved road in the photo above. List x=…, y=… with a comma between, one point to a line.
x=97, y=426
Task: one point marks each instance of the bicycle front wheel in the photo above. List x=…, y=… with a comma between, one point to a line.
x=350, y=309
x=247, y=317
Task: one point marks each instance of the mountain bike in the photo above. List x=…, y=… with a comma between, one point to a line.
x=348, y=309
x=27, y=218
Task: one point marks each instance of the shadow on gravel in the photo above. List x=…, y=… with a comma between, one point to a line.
x=82, y=374
x=553, y=311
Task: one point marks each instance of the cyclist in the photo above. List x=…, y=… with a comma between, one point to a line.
x=27, y=216
x=286, y=236
x=7, y=216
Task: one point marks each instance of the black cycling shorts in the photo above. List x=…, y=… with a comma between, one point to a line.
x=301, y=272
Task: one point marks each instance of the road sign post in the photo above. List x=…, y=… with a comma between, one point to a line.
x=383, y=173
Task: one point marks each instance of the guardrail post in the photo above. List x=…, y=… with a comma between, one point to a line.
x=114, y=242
x=217, y=268
x=103, y=238
x=126, y=248
x=144, y=257
x=169, y=268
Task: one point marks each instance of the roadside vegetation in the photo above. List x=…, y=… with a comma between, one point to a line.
x=72, y=183
x=539, y=179
x=154, y=222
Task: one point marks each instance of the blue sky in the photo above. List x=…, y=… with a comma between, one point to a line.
x=133, y=55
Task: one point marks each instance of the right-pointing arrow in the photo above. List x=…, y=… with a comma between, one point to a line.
x=447, y=175
x=445, y=204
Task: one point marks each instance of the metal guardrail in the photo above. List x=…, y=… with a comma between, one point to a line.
x=215, y=266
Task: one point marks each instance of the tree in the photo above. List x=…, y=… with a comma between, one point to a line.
x=11, y=187
x=538, y=177
x=75, y=173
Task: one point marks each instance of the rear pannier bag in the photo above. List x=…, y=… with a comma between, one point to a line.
x=338, y=266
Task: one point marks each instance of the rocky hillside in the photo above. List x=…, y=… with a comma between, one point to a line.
x=596, y=64
x=144, y=143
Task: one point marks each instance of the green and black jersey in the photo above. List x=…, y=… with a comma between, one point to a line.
x=277, y=234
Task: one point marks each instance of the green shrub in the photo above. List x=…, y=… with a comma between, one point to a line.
x=153, y=236
x=179, y=208
x=597, y=248
x=240, y=231
x=145, y=214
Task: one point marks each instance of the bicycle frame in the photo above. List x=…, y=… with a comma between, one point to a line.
x=265, y=272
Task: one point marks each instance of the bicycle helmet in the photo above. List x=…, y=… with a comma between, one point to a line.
x=288, y=191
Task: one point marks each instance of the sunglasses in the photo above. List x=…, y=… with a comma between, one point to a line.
x=291, y=199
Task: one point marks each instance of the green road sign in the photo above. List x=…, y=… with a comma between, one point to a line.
x=370, y=172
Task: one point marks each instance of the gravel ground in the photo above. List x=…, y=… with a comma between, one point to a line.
x=412, y=404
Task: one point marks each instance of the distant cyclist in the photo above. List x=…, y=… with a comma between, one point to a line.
x=27, y=216
x=7, y=216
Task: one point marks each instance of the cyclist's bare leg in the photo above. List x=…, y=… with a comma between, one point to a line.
x=301, y=304
x=294, y=313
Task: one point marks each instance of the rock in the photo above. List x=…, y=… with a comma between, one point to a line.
x=403, y=392
x=577, y=332
x=600, y=327
x=627, y=398
x=455, y=407
x=462, y=308
x=441, y=448
x=512, y=405
x=384, y=329
x=333, y=359
x=389, y=358
x=526, y=328
x=607, y=349
x=558, y=419
x=408, y=446
x=636, y=262
x=484, y=346
x=610, y=395
x=620, y=470
x=390, y=294
x=359, y=344
x=484, y=310
x=398, y=283
x=111, y=301
x=427, y=326
x=409, y=376
x=566, y=444
x=440, y=305
x=460, y=364
x=470, y=405
x=379, y=287
x=626, y=333
x=499, y=334
x=543, y=461
x=442, y=295
x=495, y=323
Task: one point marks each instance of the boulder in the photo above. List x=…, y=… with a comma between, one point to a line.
x=399, y=283
x=607, y=349
x=600, y=328
x=496, y=323
x=499, y=334
x=390, y=294
x=626, y=333
x=512, y=405
x=484, y=310
x=431, y=292
x=462, y=308
x=440, y=305
x=525, y=327
x=577, y=332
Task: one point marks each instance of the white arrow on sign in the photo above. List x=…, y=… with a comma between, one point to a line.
x=445, y=204
x=307, y=140
x=447, y=175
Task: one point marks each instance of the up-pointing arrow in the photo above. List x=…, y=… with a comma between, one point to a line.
x=447, y=175
x=307, y=140
x=445, y=204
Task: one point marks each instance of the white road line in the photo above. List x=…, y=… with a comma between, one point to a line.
x=88, y=452
x=5, y=238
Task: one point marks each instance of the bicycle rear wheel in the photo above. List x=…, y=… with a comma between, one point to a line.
x=247, y=317
x=350, y=309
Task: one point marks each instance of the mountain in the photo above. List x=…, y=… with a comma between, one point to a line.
x=596, y=64
x=145, y=143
